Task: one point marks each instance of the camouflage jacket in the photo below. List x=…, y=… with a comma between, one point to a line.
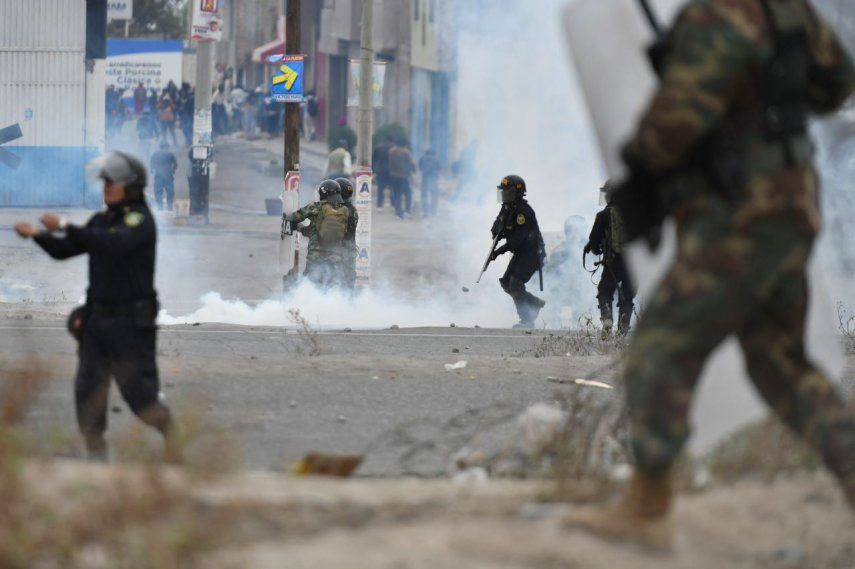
x=311, y=212
x=710, y=91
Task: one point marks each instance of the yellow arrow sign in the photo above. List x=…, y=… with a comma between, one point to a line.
x=289, y=77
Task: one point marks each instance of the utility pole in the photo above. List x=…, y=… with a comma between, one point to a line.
x=289, y=245
x=292, y=110
x=365, y=120
x=202, y=135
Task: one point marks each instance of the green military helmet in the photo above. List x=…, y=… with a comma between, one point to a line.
x=511, y=188
x=346, y=187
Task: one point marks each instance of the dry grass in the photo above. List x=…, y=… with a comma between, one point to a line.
x=764, y=450
x=137, y=517
x=585, y=341
x=309, y=341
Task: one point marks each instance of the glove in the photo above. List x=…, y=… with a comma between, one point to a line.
x=587, y=248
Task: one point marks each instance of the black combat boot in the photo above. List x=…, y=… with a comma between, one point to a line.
x=624, y=319
x=606, y=319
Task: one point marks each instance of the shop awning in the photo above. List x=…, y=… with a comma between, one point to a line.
x=262, y=52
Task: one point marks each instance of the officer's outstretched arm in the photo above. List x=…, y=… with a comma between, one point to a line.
x=703, y=73
x=134, y=231
x=58, y=247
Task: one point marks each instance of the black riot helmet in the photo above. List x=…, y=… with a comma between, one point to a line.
x=118, y=166
x=511, y=188
x=346, y=187
x=328, y=189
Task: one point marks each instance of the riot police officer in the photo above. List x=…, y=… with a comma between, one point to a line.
x=350, y=236
x=607, y=238
x=117, y=325
x=517, y=225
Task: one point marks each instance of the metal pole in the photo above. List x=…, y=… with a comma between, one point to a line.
x=366, y=81
x=289, y=247
x=292, y=110
x=365, y=119
x=202, y=135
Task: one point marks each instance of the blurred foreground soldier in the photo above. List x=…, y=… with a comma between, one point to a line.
x=607, y=239
x=724, y=143
x=163, y=165
x=517, y=225
x=328, y=253
x=350, y=236
x=117, y=335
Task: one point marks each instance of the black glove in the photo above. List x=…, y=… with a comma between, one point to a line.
x=500, y=251
x=587, y=248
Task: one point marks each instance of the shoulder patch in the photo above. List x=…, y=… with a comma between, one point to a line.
x=520, y=219
x=134, y=219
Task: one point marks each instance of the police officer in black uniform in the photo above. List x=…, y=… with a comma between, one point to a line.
x=517, y=225
x=608, y=238
x=350, y=236
x=117, y=325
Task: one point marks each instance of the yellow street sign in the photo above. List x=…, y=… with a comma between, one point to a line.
x=289, y=77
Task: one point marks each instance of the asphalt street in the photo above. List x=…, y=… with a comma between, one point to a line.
x=382, y=393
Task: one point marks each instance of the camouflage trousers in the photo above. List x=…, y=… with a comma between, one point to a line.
x=739, y=278
x=327, y=270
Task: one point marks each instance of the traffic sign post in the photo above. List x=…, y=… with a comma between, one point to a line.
x=287, y=84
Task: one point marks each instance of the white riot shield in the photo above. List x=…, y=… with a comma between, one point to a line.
x=608, y=40
x=288, y=243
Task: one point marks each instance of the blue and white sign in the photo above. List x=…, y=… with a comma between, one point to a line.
x=286, y=86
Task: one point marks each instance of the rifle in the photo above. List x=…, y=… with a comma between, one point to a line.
x=661, y=46
x=496, y=240
x=489, y=257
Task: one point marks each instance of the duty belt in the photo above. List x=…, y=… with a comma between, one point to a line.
x=131, y=308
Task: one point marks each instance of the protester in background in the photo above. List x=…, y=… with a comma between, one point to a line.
x=380, y=163
x=163, y=165
x=339, y=162
x=429, y=168
x=146, y=132
x=401, y=167
x=140, y=97
x=167, y=119
x=310, y=116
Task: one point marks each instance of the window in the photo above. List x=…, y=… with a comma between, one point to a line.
x=417, y=4
x=432, y=11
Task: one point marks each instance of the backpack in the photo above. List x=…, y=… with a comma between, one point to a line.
x=616, y=235
x=332, y=224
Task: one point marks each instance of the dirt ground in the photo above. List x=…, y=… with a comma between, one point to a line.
x=282, y=521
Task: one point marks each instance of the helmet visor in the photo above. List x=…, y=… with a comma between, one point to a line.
x=111, y=166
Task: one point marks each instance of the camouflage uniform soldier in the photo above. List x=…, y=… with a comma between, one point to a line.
x=327, y=253
x=745, y=235
x=350, y=237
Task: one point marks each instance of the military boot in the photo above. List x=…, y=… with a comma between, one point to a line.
x=640, y=517
x=96, y=448
x=606, y=319
x=624, y=319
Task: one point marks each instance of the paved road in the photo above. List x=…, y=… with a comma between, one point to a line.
x=276, y=402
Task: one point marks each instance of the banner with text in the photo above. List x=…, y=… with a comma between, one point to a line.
x=154, y=63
